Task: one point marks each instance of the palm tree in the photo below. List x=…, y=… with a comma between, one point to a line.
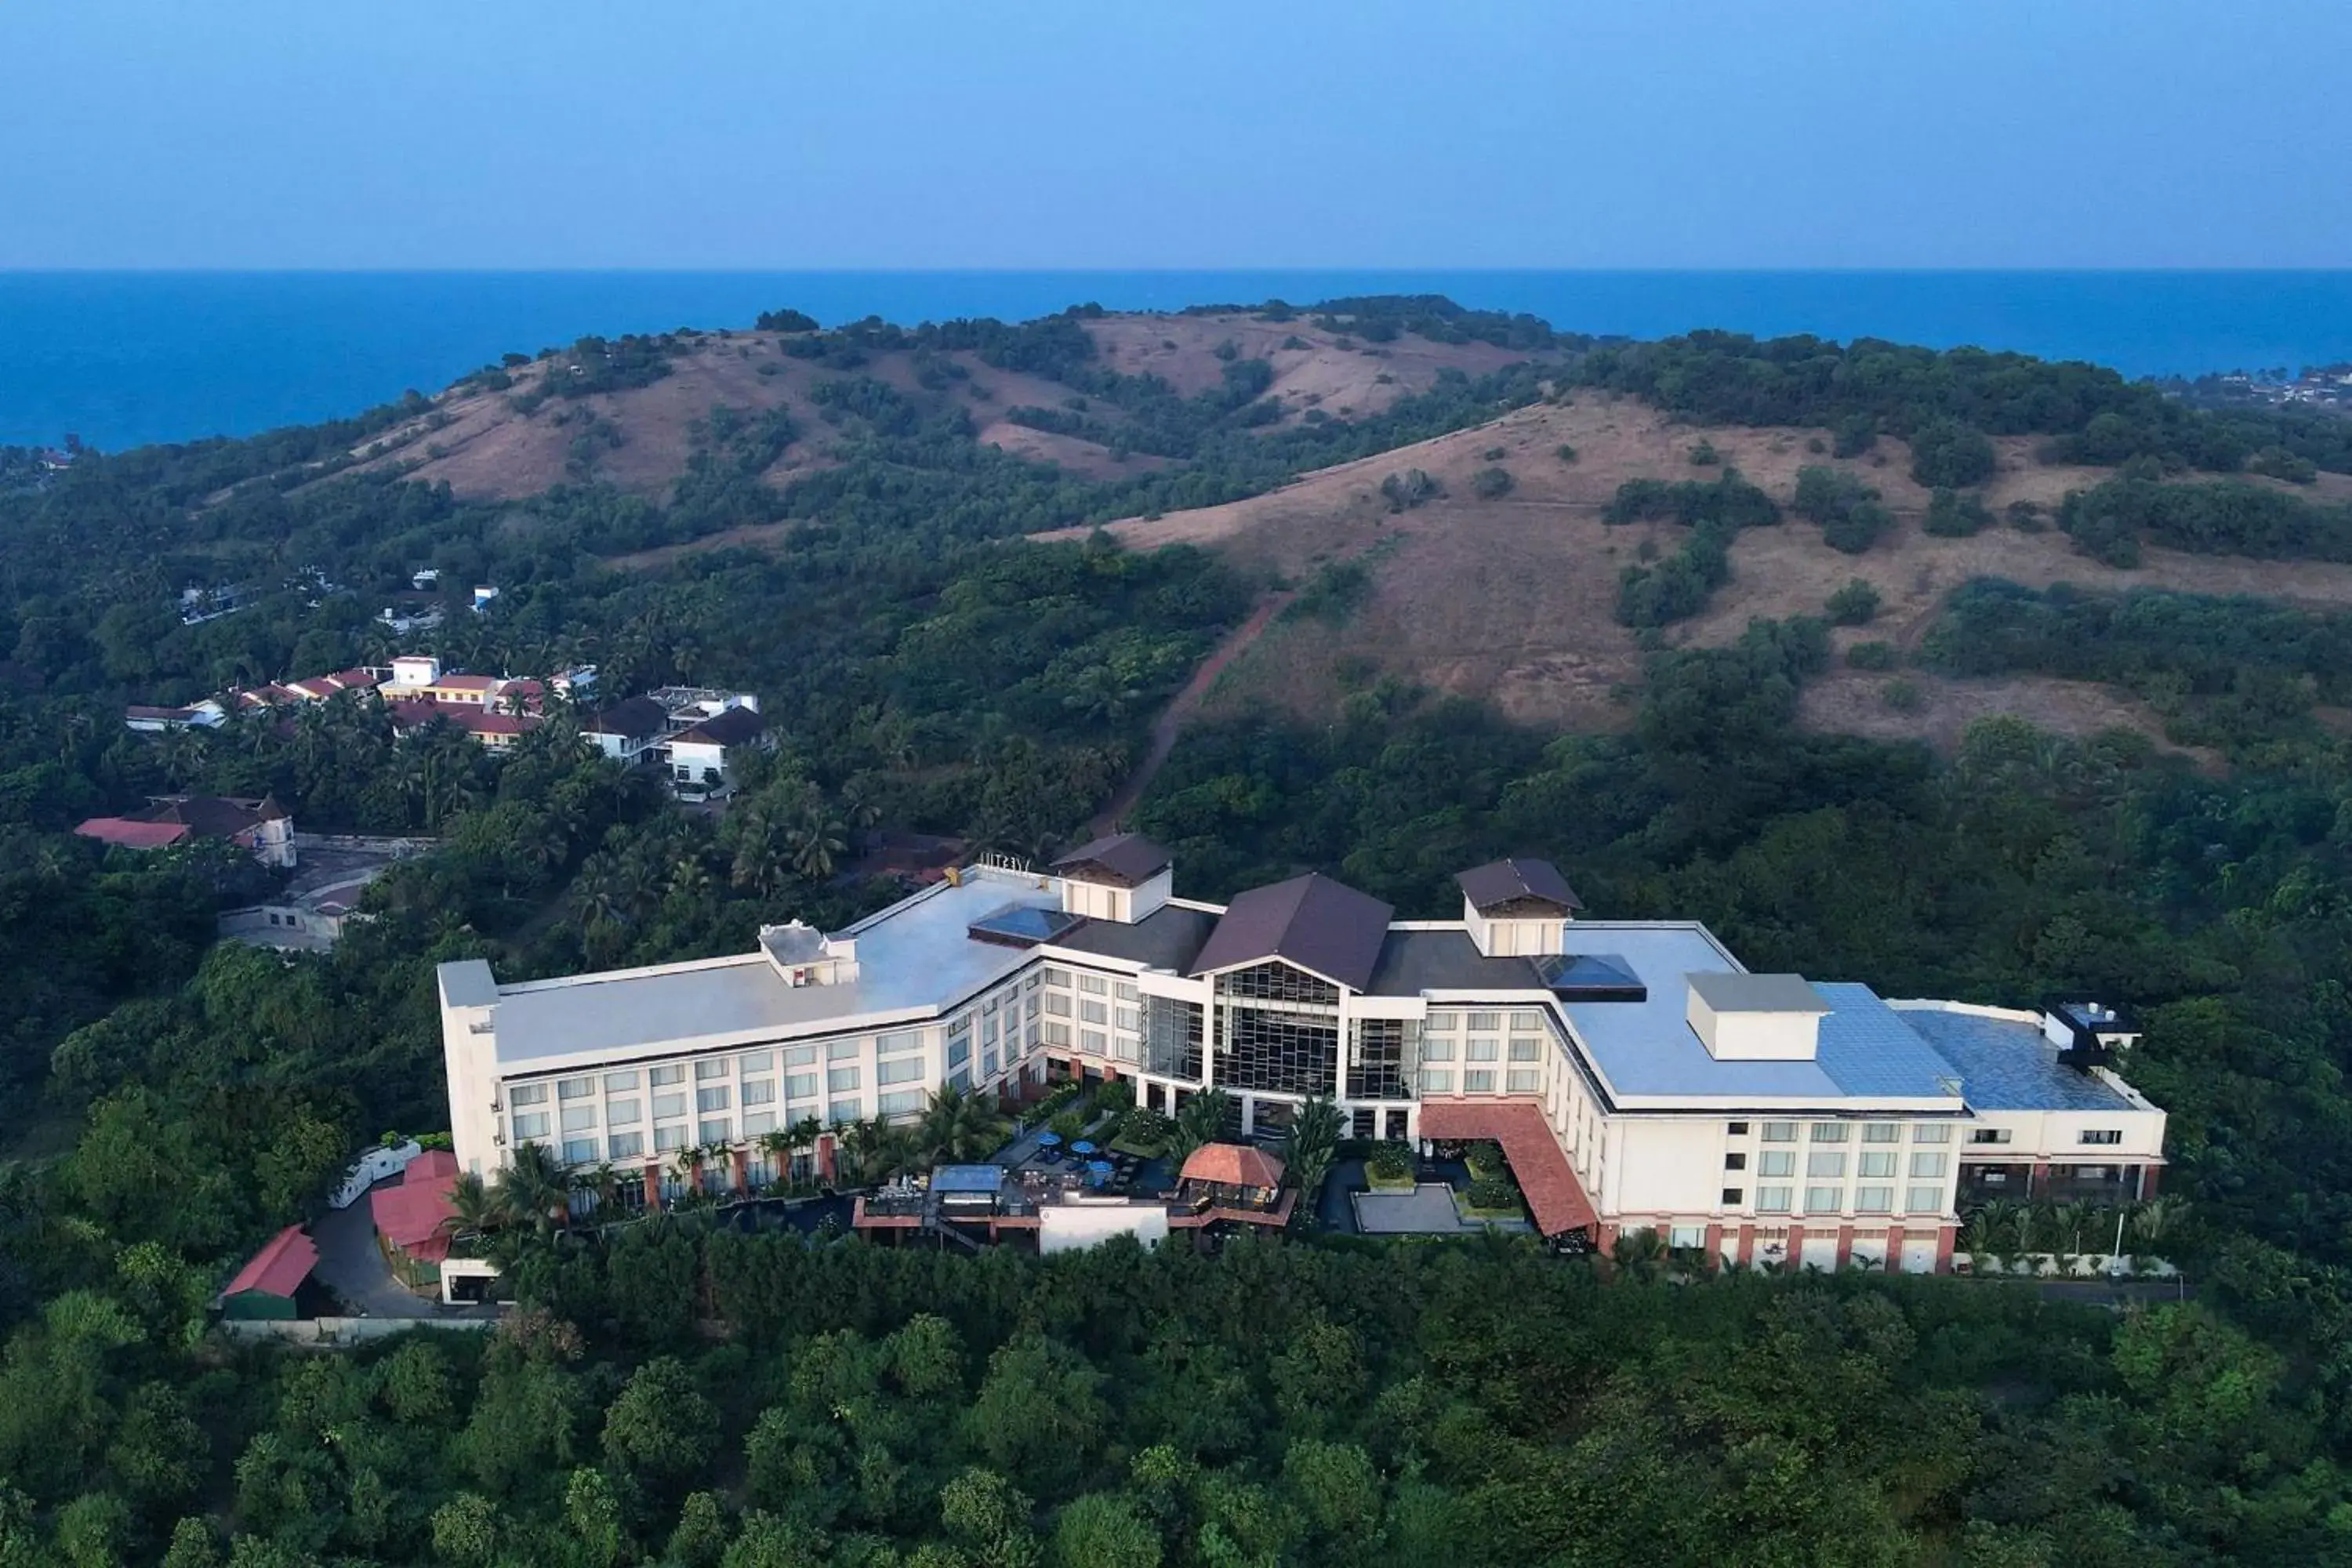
x=816, y=840
x=477, y=1212
x=957, y=1125
x=1308, y=1147
x=532, y=1188
x=1640, y=1254
x=2004, y=1226
x=1200, y=1119
x=2152, y=1219
x=777, y=1145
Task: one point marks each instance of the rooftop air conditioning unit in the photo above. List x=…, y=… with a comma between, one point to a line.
x=800, y=977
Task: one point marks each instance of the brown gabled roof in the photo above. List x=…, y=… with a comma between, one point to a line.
x=1518, y=886
x=639, y=716
x=1121, y=859
x=209, y=816
x=1232, y=1165
x=731, y=728
x=1312, y=921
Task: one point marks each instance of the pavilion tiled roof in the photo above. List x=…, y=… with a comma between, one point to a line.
x=1232, y=1165
x=1555, y=1197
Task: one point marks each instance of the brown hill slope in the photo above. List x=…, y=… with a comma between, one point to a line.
x=517, y=441
x=1511, y=600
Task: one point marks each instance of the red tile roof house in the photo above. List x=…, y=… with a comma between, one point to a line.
x=493, y=730
x=265, y=1286
x=262, y=825
x=414, y=1220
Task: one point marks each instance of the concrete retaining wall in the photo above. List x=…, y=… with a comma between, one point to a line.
x=340, y=1333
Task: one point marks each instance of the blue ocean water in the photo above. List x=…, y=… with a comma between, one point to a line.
x=125, y=358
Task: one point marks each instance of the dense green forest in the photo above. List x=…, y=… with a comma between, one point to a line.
x=682, y=1394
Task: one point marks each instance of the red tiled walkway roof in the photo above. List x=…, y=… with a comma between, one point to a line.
x=1554, y=1195
x=278, y=1267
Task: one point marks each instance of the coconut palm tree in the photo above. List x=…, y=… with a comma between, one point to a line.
x=477, y=1212
x=957, y=1125
x=1308, y=1148
x=531, y=1189
x=1200, y=1119
x=816, y=840
x=2153, y=1219
x=2069, y=1223
x=1640, y=1255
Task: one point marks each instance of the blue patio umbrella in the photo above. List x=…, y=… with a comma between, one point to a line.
x=1097, y=1173
x=1049, y=1140
x=1082, y=1147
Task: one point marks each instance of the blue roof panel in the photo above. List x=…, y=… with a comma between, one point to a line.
x=2005, y=1064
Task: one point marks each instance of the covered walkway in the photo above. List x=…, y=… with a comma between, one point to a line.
x=1555, y=1197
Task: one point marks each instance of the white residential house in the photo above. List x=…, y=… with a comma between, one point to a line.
x=630, y=733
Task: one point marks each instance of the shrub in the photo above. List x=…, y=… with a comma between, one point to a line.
x=1069, y=1124
x=1390, y=1162
x=1491, y=484
x=2281, y=464
x=2025, y=516
x=1408, y=489
x=1853, y=605
x=1485, y=1160
x=1492, y=1192
x=1564, y=452
x=1493, y=455
x=1816, y=445
x=1852, y=436
x=1903, y=696
x=1955, y=514
x=1705, y=456
x=1949, y=455
x=1870, y=655
x=1849, y=511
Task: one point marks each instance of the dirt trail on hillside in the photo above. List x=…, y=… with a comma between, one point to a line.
x=1169, y=726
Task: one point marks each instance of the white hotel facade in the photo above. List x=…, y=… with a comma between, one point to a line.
x=1636, y=1074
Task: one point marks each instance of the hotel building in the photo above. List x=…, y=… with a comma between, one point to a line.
x=1636, y=1075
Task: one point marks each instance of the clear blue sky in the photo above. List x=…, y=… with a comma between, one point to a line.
x=766, y=133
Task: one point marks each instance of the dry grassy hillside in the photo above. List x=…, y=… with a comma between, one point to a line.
x=1511, y=600
x=486, y=446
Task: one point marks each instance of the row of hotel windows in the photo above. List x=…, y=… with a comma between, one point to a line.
x=1892, y=1133
x=1518, y=1080
x=1876, y=1199
x=1925, y=1164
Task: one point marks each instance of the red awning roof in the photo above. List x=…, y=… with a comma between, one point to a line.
x=411, y=1216
x=1554, y=1195
x=132, y=835
x=1232, y=1166
x=278, y=1267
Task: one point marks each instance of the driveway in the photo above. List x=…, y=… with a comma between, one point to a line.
x=351, y=1265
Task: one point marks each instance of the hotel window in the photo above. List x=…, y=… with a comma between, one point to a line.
x=673, y=1073
x=756, y=1061
x=1733, y=1197
x=899, y=1040
x=1776, y=1163
x=1825, y=1166
x=1436, y=1082
x=713, y=1099
x=1091, y=1042
x=2105, y=1135
x=1882, y=1133
x=1057, y=1004
x=1687, y=1235
x=627, y=1145
x=958, y=1050
x=1033, y=982
x=669, y=1105
x=1436, y=1050
x=1878, y=1165
x=579, y=1150
x=1130, y=1019
x=1926, y=1166
x=620, y=1082
x=705, y=1070
x=1828, y=1131
x=1032, y=1007
x=1779, y=1132
x=527, y=1094
x=842, y=1110
x=534, y=1125
x=844, y=1050
x=841, y=1081
x=905, y=1103
x=575, y=1089
x=1057, y=1033
x=905, y=1070
x=1988, y=1134
x=621, y=1112
x=1735, y=1161
x=1483, y=1048
x=1094, y=984
x=1823, y=1200
x=759, y=1091
x=759, y=1121
x=988, y=1063
x=1923, y=1200
x=1124, y=991
x=579, y=1118
x=717, y=1130
x=667, y=1139
x=1094, y=1012
x=1522, y=1080
x=800, y=1055
x=1526, y=1050
x=1931, y=1133
x=1486, y=1023
x=988, y=1031
x=1527, y=1022
x=799, y=1085
x=1873, y=1200
x=1737, y=1128
x=1773, y=1200
x=1444, y=1023
x=1478, y=1082
x=1057, y=977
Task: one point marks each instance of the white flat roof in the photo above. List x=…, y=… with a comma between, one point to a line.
x=913, y=959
